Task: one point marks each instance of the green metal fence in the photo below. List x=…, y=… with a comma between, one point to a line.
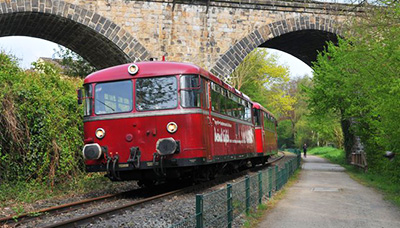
x=220, y=208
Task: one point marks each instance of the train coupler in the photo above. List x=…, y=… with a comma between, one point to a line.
x=112, y=164
x=159, y=169
x=134, y=157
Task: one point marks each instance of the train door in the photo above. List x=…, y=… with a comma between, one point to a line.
x=266, y=133
x=259, y=130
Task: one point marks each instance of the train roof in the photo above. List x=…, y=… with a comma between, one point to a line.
x=146, y=69
x=258, y=106
x=154, y=69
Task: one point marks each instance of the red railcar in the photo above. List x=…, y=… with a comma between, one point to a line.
x=265, y=131
x=160, y=120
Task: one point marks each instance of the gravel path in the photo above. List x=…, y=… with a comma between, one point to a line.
x=327, y=197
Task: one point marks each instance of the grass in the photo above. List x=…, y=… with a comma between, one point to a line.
x=389, y=189
x=255, y=217
x=19, y=195
x=334, y=155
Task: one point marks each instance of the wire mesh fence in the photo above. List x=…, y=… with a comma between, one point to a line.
x=220, y=208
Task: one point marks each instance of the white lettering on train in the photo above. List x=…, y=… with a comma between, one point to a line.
x=219, y=123
x=223, y=137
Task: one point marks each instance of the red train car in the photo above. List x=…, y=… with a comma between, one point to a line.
x=265, y=131
x=165, y=120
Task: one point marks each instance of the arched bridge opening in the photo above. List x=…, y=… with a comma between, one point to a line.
x=304, y=44
x=302, y=37
x=97, y=39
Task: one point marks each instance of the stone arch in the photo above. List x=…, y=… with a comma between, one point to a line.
x=96, y=38
x=269, y=36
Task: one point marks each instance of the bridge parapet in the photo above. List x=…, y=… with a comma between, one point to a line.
x=216, y=35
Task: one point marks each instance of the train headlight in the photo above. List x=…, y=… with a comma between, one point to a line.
x=172, y=127
x=100, y=133
x=133, y=69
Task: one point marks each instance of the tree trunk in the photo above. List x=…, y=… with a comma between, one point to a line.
x=348, y=138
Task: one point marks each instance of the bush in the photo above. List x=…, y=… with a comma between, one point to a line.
x=40, y=123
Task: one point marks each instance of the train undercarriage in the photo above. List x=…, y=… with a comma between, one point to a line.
x=158, y=174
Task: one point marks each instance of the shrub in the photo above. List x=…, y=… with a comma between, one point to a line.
x=40, y=123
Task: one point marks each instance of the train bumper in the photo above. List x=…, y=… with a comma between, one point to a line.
x=92, y=151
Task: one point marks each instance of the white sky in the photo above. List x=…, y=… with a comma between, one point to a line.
x=29, y=49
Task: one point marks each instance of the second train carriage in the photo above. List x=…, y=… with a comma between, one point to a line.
x=157, y=120
x=265, y=131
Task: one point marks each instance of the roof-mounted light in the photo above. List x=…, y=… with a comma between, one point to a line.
x=133, y=69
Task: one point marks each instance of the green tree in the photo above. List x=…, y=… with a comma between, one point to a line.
x=358, y=81
x=264, y=81
x=73, y=64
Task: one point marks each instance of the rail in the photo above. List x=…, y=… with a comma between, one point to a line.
x=82, y=220
x=220, y=208
x=10, y=220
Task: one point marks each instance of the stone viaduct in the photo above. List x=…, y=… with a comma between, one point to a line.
x=216, y=35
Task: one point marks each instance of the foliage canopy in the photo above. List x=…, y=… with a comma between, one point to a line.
x=264, y=80
x=358, y=80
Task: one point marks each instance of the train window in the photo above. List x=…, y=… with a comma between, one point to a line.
x=224, y=99
x=215, y=101
x=156, y=93
x=88, y=100
x=190, y=98
x=230, y=106
x=257, y=117
x=190, y=91
x=242, y=112
x=190, y=82
x=113, y=97
x=204, y=89
x=266, y=120
x=247, y=114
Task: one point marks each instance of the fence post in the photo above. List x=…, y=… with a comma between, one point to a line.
x=247, y=194
x=230, y=206
x=290, y=167
x=276, y=178
x=286, y=172
x=199, y=211
x=260, y=190
x=270, y=182
x=298, y=158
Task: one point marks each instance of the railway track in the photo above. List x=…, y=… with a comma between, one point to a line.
x=15, y=219
x=81, y=220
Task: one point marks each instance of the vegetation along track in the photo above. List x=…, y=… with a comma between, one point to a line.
x=146, y=195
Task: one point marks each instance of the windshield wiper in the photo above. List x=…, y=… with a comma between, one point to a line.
x=105, y=104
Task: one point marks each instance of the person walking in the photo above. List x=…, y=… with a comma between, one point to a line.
x=305, y=150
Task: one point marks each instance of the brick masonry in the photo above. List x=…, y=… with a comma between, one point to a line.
x=218, y=37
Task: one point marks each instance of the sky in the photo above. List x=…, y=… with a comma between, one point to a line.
x=28, y=50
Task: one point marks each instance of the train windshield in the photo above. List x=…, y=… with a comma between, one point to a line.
x=113, y=97
x=156, y=93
